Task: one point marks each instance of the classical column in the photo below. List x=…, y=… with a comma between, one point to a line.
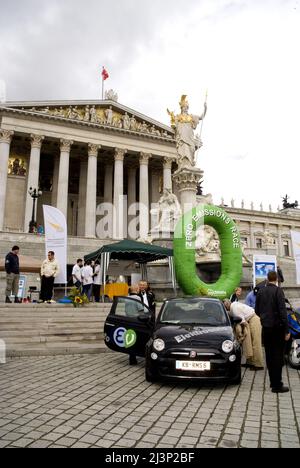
x=63, y=176
x=82, y=198
x=132, y=199
x=168, y=174
x=33, y=176
x=187, y=181
x=144, y=195
x=5, y=141
x=118, y=229
x=91, y=193
x=55, y=181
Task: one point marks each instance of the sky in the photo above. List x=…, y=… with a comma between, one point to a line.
x=245, y=53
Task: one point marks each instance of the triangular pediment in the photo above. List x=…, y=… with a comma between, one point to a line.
x=108, y=114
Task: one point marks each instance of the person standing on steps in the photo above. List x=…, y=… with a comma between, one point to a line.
x=12, y=268
x=49, y=271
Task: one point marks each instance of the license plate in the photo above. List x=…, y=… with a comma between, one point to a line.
x=196, y=366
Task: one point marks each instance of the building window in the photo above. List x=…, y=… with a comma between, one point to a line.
x=244, y=241
x=259, y=243
x=286, y=248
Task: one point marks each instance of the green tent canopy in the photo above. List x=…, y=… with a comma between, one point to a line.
x=134, y=251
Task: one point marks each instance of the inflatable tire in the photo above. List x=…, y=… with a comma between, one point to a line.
x=231, y=253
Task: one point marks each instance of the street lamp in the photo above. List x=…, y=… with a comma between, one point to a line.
x=35, y=194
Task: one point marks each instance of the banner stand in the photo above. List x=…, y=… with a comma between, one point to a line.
x=56, y=240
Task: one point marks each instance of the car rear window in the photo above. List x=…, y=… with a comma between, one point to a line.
x=196, y=312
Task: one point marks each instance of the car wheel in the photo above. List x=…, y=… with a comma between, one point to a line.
x=150, y=376
x=237, y=380
x=294, y=358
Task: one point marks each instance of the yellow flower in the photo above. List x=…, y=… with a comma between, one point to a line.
x=78, y=300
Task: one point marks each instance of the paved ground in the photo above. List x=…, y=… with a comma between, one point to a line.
x=98, y=401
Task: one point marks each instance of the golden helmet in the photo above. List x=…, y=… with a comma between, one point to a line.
x=184, y=102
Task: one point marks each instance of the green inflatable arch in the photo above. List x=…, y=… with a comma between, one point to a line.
x=231, y=253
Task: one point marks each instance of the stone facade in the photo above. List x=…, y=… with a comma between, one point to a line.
x=80, y=154
x=85, y=156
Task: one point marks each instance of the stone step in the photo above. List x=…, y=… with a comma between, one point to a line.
x=11, y=341
x=57, y=331
x=37, y=330
x=54, y=349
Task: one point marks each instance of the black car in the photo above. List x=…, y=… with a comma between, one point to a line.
x=192, y=338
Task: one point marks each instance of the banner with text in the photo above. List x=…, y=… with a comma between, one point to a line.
x=262, y=265
x=56, y=239
x=296, y=247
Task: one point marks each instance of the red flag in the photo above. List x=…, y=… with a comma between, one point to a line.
x=105, y=74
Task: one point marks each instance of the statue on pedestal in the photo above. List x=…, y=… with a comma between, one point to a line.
x=207, y=241
x=169, y=212
x=185, y=124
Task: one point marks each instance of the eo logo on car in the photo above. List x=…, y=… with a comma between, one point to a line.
x=125, y=338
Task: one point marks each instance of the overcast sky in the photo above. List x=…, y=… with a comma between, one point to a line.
x=245, y=52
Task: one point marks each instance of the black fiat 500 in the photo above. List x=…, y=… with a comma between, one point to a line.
x=192, y=338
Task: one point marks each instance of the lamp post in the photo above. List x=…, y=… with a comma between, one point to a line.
x=35, y=194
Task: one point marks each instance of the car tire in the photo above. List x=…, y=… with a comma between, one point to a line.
x=237, y=380
x=293, y=362
x=150, y=376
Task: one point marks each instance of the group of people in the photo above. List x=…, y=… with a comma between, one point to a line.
x=264, y=321
x=49, y=271
x=87, y=278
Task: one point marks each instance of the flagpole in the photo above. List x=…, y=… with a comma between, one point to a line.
x=202, y=123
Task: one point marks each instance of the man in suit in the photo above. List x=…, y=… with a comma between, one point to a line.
x=270, y=307
x=147, y=296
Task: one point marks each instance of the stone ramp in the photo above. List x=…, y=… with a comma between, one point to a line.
x=42, y=330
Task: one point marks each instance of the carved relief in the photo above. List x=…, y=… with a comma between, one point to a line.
x=103, y=116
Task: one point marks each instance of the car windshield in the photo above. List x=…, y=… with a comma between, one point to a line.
x=199, y=312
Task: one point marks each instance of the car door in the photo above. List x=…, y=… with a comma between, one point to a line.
x=128, y=326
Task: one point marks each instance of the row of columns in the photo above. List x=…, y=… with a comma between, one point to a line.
x=87, y=184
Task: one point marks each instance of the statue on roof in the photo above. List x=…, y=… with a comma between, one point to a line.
x=185, y=125
x=111, y=95
x=286, y=203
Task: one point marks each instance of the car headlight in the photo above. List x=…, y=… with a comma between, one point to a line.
x=227, y=346
x=159, y=345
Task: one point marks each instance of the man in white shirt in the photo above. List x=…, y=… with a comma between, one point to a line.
x=247, y=315
x=49, y=271
x=77, y=274
x=87, y=280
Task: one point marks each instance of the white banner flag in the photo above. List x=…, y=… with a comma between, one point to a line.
x=296, y=247
x=56, y=239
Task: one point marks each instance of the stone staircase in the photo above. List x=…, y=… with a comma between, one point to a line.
x=41, y=330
